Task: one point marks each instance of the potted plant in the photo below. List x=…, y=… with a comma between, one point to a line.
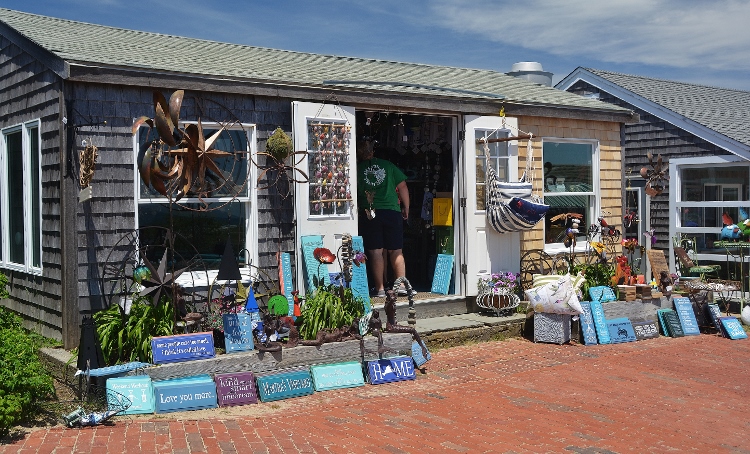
x=499, y=291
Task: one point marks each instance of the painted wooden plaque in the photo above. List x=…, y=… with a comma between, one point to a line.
x=235, y=389
x=441, y=282
x=685, y=313
x=600, y=323
x=442, y=211
x=188, y=393
x=182, y=347
x=285, y=279
x=417, y=356
x=588, y=331
x=117, y=370
x=658, y=262
x=360, y=287
x=733, y=328
x=312, y=266
x=238, y=333
x=714, y=314
x=620, y=330
x=335, y=376
x=645, y=330
x=662, y=323
x=139, y=390
x=674, y=327
x=283, y=385
x=391, y=370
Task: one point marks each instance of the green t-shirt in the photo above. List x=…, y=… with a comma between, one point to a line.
x=381, y=178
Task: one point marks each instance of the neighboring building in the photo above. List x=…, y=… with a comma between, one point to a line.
x=60, y=81
x=702, y=132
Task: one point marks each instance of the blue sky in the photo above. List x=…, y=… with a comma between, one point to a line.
x=704, y=42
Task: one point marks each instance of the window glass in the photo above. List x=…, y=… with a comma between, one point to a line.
x=14, y=175
x=714, y=183
x=499, y=160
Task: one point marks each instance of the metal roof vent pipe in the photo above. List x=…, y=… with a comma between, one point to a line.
x=531, y=71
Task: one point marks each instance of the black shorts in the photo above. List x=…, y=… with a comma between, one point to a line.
x=385, y=231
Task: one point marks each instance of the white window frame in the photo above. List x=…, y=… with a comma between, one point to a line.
x=595, y=193
x=27, y=266
x=250, y=200
x=510, y=159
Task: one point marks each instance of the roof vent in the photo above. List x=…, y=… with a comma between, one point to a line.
x=531, y=71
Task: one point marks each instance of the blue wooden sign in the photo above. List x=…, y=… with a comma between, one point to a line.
x=117, y=370
x=235, y=389
x=188, y=393
x=588, y=331
x=334, y=376
x=620, y=330
x=390, y=370
x=441, y=282
x=360, y=286
x=312, y=266
x=674, y=327
x=645, y=330
x=417, y=356
x=285, y=276
x=733, y=328
x=685, y=312
x=238, y=333
x=182, y=347
x=662, y=323
x=139, y=391
x=714, y=314
x=283, y=385
x=600, y=323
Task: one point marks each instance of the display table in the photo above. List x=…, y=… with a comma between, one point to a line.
x=723, y=288
x=741, y=247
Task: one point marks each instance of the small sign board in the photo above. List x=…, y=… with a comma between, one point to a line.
x=238, y=333
x=588, y=331
x=600, y=323
x=714, y=314
x=312, y=266
x=359, y=285
x=334, y=376
x=658, y=262
x=417, y=356
x=188, y=393
x=182, y=347
x=443, y=274
x=139, y=390
x=391, y=370
x=235, y=389
x=442, y=211
x=620, y=330
x=645, y=330
x=685, y=313
x=283, y=385
x=674, y=327
x=733, y=328
x=285, y=279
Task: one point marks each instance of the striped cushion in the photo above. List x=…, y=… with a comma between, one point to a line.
x=542, y=279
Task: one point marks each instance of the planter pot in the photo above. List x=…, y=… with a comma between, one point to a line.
x=502, y=303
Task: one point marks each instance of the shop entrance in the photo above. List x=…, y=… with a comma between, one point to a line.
x=422, y=147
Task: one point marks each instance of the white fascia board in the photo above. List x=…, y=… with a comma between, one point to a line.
x=657, y=110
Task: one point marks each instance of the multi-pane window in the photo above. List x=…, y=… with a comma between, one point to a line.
x=569, y=187
x=20, y=198
x=499, y=159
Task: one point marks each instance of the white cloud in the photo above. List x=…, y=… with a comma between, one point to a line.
x=677, y=33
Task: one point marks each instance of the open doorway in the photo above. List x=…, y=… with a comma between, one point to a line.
x=421, y=146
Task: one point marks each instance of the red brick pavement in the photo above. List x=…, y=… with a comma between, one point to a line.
x=662, y=395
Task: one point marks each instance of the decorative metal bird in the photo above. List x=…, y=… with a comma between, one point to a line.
x=656, y=177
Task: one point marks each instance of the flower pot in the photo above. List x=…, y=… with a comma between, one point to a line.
x=500, y=302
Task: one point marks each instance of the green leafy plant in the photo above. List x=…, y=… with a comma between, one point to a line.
x=329, y=307
x=596, y=274
x=24, y=383
x=4, y=286
x=125, y=338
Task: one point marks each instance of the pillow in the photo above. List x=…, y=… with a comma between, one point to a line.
x=538, y=280
x=509, y=190
x=602, y=294
x=556, y=297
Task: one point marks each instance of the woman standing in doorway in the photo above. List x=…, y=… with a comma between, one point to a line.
x=382, y=211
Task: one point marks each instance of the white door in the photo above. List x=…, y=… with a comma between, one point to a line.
x=484, y=250
x=326, y=205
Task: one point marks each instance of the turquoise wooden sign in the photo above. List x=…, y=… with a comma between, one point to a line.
x=238, y=333
x=441, y=282
x=334, y=376
x=138, y=390
x=417, y=356
x=285, y=276
x=674, y=327
x=620, y=330
x=733, y=328
x=360, y=287
x=312, y=266
x=588, y=331
x=391, y=370
x=685, y=312
x=284, y=385
x=188, y=393
x=600, y=323
x=182, y=347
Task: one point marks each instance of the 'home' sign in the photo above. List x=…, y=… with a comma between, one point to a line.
x=391, y=369
x=182, y=347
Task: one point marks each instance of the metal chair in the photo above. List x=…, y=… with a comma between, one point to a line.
x=686, y=255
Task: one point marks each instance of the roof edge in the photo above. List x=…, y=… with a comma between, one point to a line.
x=693, y=127
x=56, y=64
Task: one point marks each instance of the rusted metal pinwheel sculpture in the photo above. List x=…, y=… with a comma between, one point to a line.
x=656, y=177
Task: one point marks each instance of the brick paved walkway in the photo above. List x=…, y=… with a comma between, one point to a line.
x=514, y=396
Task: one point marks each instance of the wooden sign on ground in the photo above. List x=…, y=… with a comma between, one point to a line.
x=658, y=262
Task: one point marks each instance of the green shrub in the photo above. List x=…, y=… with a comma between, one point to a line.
x=4, y=286
x=9, y=319
x=24, y=383
x=329, y=307
x=127, y=338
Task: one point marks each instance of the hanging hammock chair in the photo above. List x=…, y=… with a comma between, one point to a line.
x=512, y=206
